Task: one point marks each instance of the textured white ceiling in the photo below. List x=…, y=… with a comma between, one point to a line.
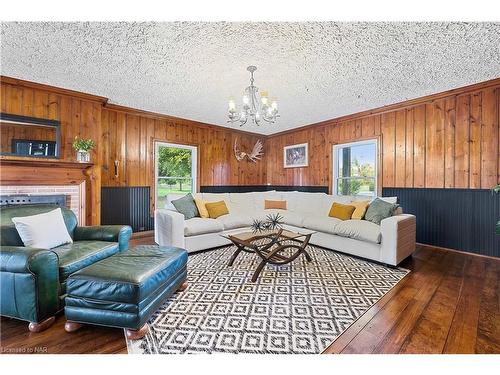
x=317, y=71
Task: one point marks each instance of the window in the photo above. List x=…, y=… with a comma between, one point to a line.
x=175, y=170
x=355, y=168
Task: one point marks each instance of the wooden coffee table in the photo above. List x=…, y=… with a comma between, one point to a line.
x=274, y=247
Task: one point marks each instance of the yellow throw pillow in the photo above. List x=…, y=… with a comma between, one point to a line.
x=216, y=209
x=279, y=205
x=361, y=207
x=200, y=204
x=341, y=211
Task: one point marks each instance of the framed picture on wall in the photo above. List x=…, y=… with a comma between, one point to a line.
x=296, y=156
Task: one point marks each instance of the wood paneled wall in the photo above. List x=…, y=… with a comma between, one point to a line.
x=447, y=140
x=128, y=137
x=79, y=115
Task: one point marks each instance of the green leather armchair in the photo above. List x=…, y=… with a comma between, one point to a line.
x=33, y=281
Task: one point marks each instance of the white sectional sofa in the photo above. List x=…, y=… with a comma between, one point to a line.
x=389, y=243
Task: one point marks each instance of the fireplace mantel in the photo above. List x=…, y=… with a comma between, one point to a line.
x=50, y=172
x=41, y=162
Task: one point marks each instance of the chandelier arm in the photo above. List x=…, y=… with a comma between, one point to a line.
x=243, y=122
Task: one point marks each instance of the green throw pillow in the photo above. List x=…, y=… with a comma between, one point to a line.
x=379, y=210
x=186, y=206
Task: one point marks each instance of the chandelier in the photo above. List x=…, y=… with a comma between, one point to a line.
x=256, y=106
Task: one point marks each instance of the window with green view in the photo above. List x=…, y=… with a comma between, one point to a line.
x=355, y=168
x=175, y=171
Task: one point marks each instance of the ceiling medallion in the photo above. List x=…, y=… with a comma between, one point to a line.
x=256, y=106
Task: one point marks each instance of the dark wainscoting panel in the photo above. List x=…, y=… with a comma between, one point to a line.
x=461, y=219
x=127, y=205
x=249, y=188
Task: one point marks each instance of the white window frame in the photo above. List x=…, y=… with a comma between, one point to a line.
x=335, y=166
x=194, y=165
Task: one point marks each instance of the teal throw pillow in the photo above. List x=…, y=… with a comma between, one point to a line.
x=186, y=206
x=379, y=210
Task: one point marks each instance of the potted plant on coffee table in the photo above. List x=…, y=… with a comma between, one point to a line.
x=83, y=148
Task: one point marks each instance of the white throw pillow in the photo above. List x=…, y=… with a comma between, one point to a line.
x=43, y=231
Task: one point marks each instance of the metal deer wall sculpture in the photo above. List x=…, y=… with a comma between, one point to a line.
x=255, y=155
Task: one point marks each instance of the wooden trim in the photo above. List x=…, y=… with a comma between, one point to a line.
x=433, y=247
x=393, y=107
x=54, y=89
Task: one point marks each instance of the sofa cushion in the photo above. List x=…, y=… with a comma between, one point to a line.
x=359, y=229
x=8, y=232
x=216, y=209
x=387, y=199
x=171, y=197
x=215, y=197
x=241, y=202
x=277, y=205
x=341, y=211
x=379, y=210
x=306, y=203
x=44, y=231
x=80, y=254
x=202, y=209
x=231, y=221
x=197, y=225
x=186, y=206
x=360, y=209
x=324, y=224
x=261, y=196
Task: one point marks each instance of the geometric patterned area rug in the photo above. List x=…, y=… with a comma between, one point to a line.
x=297, y=308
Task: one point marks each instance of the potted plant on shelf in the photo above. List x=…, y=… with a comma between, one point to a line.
x=496, y=189
x=83, y=148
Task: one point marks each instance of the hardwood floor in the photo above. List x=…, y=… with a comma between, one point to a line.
x=449, y=303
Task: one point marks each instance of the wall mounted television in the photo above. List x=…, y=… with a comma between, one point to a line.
x=29, y=136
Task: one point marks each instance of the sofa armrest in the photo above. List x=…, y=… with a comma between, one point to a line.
x=398, y=238
x=169, y=228
x=30, y=283
x=110, y=233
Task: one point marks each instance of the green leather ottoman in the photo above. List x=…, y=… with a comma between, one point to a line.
x=125, y=289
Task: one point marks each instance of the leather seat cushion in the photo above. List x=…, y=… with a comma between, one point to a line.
x=80, y=254
x=197, y=225
x=232, y=221
x=130, y=276
x=360, y=230
x=324, y=224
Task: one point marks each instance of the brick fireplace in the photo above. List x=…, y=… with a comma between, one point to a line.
x=74, y=194
x=79, y=182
